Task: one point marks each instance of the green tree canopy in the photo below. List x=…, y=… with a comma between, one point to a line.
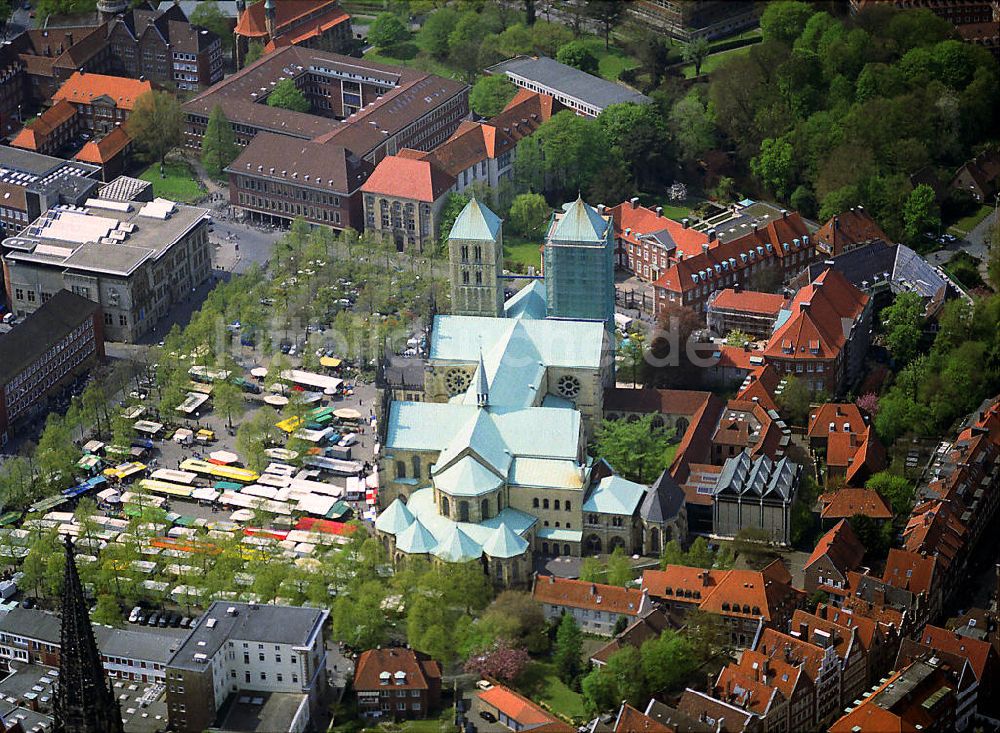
x=387, y=30
x=578, y=55
x=529, y=213
x=568, y=649
x=156, y=124
x=784, y=21
x=287, y=96
x=433, y=35
x=794, y=400
x=490, y=94
x=902, y=322
x=920, y=213
x=696, y=51
x=218, y=146
x=895, y=489
x=207, y=15
x=638, y=450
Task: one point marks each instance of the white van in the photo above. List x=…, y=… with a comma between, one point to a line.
x=348, y=440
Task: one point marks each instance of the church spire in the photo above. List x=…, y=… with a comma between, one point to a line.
x=482, y=383
x=85, y=701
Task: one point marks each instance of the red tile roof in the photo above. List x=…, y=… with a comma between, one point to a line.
x=749, y=301
x=910, y=571
x=593, y=596
x=841, y=545
x=641, y=221
x=741, y=684
x=742, y=593
x=402, y=177
x=815, y=329
x=100, y=152
x=649, y=400
x=868, y=628
x=252, y=23
x=845, y=503
x=630, y=720
x=83, y=88
x=980, y=653
x=516, y=707
x=849, y=228
x=760, y=385
x=836, y=413
x=419, y=669
x=934, y=528
x=737, y=357
x=34, y=135
x=678, y=278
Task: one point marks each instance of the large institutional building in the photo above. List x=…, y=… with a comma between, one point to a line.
x=493, y=462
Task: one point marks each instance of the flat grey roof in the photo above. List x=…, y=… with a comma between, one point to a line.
x=260, y=711
x=36, y=164
x=252, y=623
x=570, y=81
x=53, y=240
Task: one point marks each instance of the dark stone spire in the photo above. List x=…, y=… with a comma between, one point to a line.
x=85, y=701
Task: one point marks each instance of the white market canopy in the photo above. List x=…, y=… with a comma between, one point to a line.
x=276, y=400
x=223, y=456
x=258, y=372
x=347, y=413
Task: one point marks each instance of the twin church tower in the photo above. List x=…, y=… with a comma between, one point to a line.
x=577, y=264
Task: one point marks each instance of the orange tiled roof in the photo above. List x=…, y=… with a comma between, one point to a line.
x=641, y=221
x=403, y=177
x=34, y=135
x=934, y=528
x=581, y=594
x=83, y=88
x=253, y=24
x=516, y=706
x=737, y=357
x=841, y=545
x=778, y=232
x=741, y=684
x=910, y=571
x=845, y=503
x=100, y=152
x=836, y=413
x=419, y=668
x=804, y=622
x=851, y=227
x=749, y=301
x=815, y=329
x=868, y=628
x=631, y=720
x=979, y=652
x=760, y=385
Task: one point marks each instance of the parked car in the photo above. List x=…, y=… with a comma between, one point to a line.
x=135, y=614
x=154, y=618
x=487, y=716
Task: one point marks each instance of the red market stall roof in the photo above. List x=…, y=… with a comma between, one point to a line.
x=326, y=526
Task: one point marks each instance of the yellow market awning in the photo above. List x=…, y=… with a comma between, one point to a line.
x=329, y=362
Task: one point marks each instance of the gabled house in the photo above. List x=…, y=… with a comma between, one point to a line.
x=848, y=502
x=842, y=437
x=848, y=230
x=836, y=554
x=647, y=242
x=755, y=492
x=596, y=607
x=396, y=683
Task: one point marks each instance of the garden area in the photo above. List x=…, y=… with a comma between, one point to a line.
x=521, y=251
x=178, y=181
x=540, y=682
x=967, y=223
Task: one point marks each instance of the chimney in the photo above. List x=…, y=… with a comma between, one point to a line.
x=600, y=209
x=804, y=630
x=685, y=223
x=659, y=211
x=784, y=213
x=711, y=235
x=634, y=201
x=552, y=580
x=593, y=589
x=69, y=38
x=804, y=306
x=704, y=247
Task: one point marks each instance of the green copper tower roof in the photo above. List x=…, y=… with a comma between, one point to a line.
x=476, y=222
x=416, y=539
x=580, y=223
x=457, y=546
x=395, y=518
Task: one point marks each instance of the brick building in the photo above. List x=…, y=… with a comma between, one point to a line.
x=51, y=131
x=102, y=102
x=61, y=339
x=753, y=313
x=825, y=338
x=321, y=25
x=397, y=683
x=647, y=242
x=31, y=183
x=371, y=109
x=280, y=178
x=836, y=553
x=782, y=245
x=595, y=607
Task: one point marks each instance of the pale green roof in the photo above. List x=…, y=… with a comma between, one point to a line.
x=476, y=222
x=580, y=222
x=504, y=543
x=540, y=432
x=416, y=539
x=467, y=477
x=560, y=534
x=457, y=546
x=395, y=518
x=614, y=495
x=547, y=473
x=528, y=302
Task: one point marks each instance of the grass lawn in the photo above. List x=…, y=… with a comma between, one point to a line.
x=676, y=212
x=408, y=54
x=179, y=185
x=966, y=224
x=522, y=250
x=445, y=722
x=715, y=60
x=611, y=61
x=540, y=683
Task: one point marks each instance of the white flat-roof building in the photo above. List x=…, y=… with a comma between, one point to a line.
x=136, y=259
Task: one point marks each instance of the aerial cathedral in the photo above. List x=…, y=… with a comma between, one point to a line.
x=84, y=700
